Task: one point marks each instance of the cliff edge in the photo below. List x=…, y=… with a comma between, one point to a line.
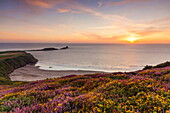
x=11, y=60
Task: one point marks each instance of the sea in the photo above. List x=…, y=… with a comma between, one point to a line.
x=95, y=57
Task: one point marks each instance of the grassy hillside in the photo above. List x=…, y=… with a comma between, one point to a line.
x=11, y=60
x=144, y=91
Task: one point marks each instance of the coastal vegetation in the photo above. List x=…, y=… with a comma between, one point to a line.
x=144, y=91
x=167, y=63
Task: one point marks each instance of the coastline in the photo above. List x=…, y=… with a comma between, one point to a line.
x=33, y=73
x=20, y=66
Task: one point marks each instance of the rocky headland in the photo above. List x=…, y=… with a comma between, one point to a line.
x=11, y=60
x=49, y=49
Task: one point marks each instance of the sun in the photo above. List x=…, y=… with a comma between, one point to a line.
x=131, y=39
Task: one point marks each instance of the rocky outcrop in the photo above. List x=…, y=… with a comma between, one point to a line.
x=64, y=48
x=44, y=49
x=9, y=63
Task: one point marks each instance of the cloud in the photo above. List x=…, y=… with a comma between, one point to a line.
x=39, y=6
x=141, y=29
x=44, y=3
x=63, y=10
x=144, y=36
x=102, y=36
x=96, y=37
x=39, y=3
x=79, y=8
x=161, y=20
x=119, y=27
x=149, y=31
x=57, y=28
x=72, y=6
x=151, y=27
x=119, y=32
x=125, y=2
x=69, y=6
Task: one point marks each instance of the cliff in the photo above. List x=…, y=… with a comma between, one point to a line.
x=9, y=61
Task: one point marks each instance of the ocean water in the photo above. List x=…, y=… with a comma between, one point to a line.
x=95, y=57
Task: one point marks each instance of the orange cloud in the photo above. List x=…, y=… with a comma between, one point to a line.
x=63, y=10
x=161, y=36
x=109, y=38
x=118, y=32
x=44, y=3
x=39, y=3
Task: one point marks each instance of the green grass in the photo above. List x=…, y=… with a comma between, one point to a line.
x=12, y=55
x=3, y=56
x=3, y=52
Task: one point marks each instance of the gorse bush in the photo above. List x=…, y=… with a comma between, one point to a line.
x=144, y=91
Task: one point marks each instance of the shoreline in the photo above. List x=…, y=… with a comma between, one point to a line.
x=33, y=73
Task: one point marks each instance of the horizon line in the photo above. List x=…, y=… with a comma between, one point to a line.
x=75, y=43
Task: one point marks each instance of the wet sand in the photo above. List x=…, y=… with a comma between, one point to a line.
x=32, y=73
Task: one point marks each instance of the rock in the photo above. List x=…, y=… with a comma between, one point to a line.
x=64, y=48
x=49, y=49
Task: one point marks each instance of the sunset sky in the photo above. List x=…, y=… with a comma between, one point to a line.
x=85, y=21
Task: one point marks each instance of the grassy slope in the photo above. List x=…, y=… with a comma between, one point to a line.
x=140, y=91
x=4, y=56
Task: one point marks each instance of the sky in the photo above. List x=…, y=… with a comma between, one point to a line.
x=85, y=21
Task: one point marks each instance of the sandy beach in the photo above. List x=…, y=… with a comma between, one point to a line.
x=32, y=73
